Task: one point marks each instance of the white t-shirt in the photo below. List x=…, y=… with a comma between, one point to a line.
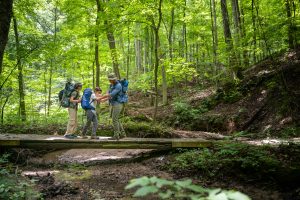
x=93, y=100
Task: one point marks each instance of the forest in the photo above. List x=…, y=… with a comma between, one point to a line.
x=223, y=71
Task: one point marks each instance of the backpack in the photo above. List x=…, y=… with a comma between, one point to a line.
x=86, y=99
x=123, y=96
x=65, y=95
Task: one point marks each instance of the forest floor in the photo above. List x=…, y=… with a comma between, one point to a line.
x=264, y=105
x=103, y=174
x=107, y=181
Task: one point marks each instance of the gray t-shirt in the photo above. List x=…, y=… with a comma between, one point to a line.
x=76, y=96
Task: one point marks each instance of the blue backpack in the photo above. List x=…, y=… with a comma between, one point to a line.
x=123, y=96
x=86, y=99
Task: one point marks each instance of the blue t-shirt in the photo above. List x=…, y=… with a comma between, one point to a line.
x=114, y=92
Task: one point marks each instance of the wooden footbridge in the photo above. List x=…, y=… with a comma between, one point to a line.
x=59, y=142
x=33, y=141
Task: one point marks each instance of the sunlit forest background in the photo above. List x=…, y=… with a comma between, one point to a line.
x=159, y=46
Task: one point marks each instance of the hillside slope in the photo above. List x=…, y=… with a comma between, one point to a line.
x=266, y=101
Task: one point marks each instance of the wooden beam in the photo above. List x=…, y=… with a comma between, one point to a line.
x=55, y=142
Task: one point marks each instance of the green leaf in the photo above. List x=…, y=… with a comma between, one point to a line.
x=146, y=190
x=143, y=181
x=162, y=182
x=235, y=195
x=184, y=184
x=166, y=195
x=196, y=188
x=217, y=194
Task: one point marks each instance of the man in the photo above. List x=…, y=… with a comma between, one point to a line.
x=116, y=106
x=92, y=115
x=72, y=109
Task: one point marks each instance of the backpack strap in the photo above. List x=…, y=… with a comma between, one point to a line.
x=77, y=94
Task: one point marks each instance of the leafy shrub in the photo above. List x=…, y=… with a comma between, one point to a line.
x=146, y=129
x=232, y=96
x=288, y=132
x=185, y=112
x=14, y=187
x=165, y=189
x=191, y=116
x=222, y=159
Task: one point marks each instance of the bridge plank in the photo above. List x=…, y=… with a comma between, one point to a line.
x=59, y=142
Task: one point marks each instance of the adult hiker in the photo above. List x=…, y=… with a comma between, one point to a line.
x=88, y=103
x=75, y=99
x=116, y=100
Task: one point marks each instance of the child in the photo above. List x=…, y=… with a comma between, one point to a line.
x=92, y=115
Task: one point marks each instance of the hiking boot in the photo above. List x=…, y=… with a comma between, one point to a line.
x=84, y=137
x=94, y=137
x=123, y=136
x=70, y=136
x=114, y=138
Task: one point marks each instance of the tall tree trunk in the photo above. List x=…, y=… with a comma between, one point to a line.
x=138, y=50
x=170, y=36
x=170, y=41
x=214, y=33
x=52, y=61
x=5, y=18
x=97, y=44
x=3, y=107
x=236, y=16
x=93, y=71
x=164, y=85
x=45, y=91
x=184, y=38
x=20, y=73
x=237, y=29
x=113, y=49
x=111, y=43
x=128, y=52
x=227, y=36
x=157, y=54
x=254, y=30
x=226, y=25
x=262, y=32
x=291, y=38
x=50, y=87
x=243, y=36
x=146, y=49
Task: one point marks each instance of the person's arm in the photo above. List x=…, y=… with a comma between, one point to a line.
x=98, y=98
x=107, y=96
x=75, y=100
x=115, y=91
x=104, y=99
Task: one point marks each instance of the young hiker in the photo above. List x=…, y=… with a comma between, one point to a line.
x=116, y=104
x=72, y=109
x=90, y=109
